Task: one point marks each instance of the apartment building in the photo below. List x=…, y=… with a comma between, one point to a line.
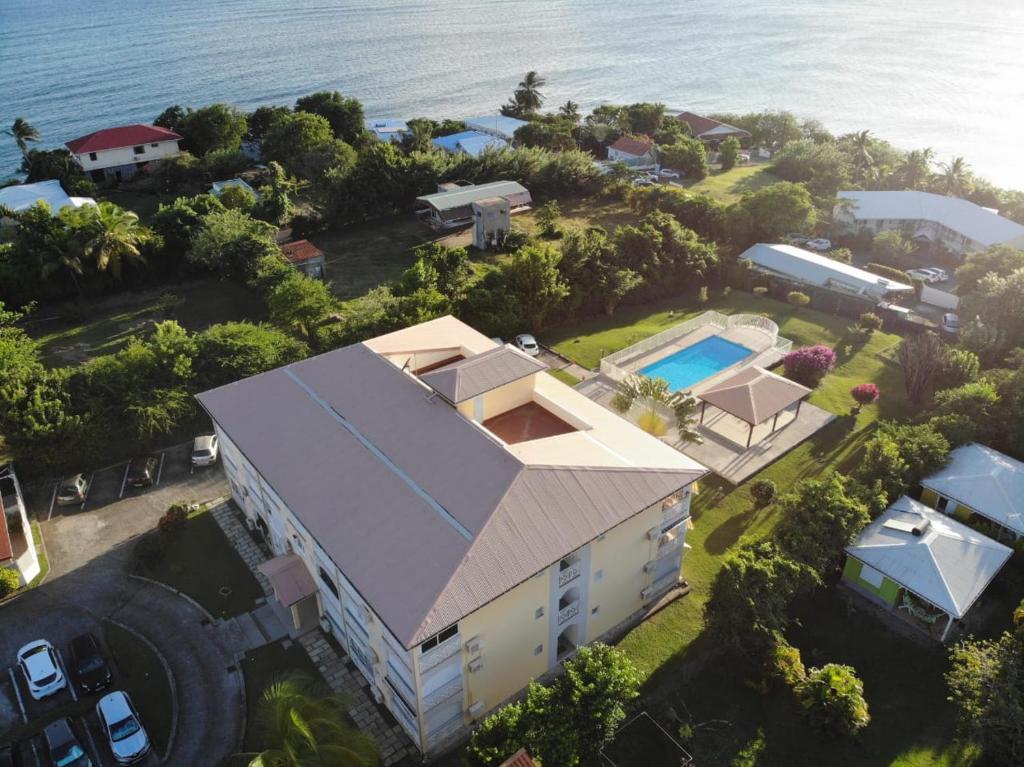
x=456, y=517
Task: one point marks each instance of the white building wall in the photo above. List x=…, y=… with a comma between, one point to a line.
x=112, y=158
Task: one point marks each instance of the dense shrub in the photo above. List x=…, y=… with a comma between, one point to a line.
x=173, y=520
x=959, y=367
x=833, y=698
x=763, y=491
x=9, y=581
x=865, y=393
x=809, y=364
x=869, y=322
x=887, y=271
x=786, y=665
x=760, y=290
x=796, y=298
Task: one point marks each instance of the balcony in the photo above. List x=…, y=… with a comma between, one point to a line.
x=445, y=692
x=568, y=574
x=569, y=612
x=664, y=584
x=672, y=539
x=675, y=507
x=440, y=654
x=443, y=730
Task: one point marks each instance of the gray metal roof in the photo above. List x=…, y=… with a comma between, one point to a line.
x=467, y=195
x=423, y=511
x=468, y=378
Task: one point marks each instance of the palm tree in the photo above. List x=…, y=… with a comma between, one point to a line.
x=108, y=235
x=571, y=110
x=863, y=161
x=955, y=179
x=23, y=133
x=528, y=95
x=303, y=728
x=917, y=167
x=653, y=392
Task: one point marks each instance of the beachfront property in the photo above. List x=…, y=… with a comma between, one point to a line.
x=923, y=566
x=711, y=132
x=471, y=142
x=387, y=130
x=306, y=258
x=21, y=197
x=816, y=270
x=17, y=545
x=980, y=484
x=634, y=151
x=499, y=126
x=955, y=224
x=218, y=187
x=456, y=517
x=452, y=205
x=116, y=154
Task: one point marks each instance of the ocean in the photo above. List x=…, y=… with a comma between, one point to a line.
x=943, y=74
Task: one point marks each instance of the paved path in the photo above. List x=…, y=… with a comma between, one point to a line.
x=394, y=744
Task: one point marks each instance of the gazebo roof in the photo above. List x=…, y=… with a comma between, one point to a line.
x=754, y=394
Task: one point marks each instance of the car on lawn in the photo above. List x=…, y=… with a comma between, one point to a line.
x=527, y=343
x=72, y=490
x=142, y=471
x=951, y=323
x=669, y=173
x=924, y=275
x=64, y=746
x=41, y=669
x=819, y=244
x=205, y=450
x=125, y=734
x=89, y=666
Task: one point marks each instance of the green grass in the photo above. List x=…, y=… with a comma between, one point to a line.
x=262, y=666
x=200, y=562
x=567, y=378
x=730, y=185
x=141, y=674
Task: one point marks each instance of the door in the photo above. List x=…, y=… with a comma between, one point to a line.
x=306, y=613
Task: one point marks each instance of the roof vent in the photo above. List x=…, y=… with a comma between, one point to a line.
x=922, y=527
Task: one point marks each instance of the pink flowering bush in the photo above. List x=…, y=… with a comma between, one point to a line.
x=865, y=393
x=809, y=364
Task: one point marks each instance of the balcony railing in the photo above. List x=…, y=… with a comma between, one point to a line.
x=446, y=691
x=569, y=574
x=672, y=538
x=441, y=653
x=568, y=612
x=674, y=507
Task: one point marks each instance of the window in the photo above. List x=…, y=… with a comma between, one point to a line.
x=139, y=149
x=438, y=638
x=871, y=576
x=538, y=649
x=299, y=542
x=154, y=145
x=942, y=504
x=329, y=583
x=539, y=613
x=599, y=575
x=92, y=156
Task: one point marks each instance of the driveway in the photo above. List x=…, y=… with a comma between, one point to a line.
x=90, y=552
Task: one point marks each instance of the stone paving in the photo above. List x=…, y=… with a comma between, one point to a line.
x=392, y=740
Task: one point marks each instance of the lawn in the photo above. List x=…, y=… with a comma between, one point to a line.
x=141, y=674
x=679, y=663
x=567, y=378
x=72, y=333
x=200, y=562
x=728, y=186
x=261, y=667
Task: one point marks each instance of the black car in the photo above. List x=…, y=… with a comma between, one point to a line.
x=142, y=471
x=91, y=669
x=63, y=745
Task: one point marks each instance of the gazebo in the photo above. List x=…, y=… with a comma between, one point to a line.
x=754, y=395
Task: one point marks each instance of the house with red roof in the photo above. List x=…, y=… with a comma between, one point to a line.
x=116, y=154
x=635, y=151
x=306, y=257
x=711, y=132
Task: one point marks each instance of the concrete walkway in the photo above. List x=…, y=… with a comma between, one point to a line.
x=339, y=674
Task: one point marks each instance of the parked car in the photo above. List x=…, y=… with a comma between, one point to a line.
x=642, y=181
x=819, y=244
x=941, y=275
x=90, y=667
x=528, y=344
x=126, y=736
x=669, y=173
x=42, y=671
x=72, y=490
x=204, y=450
x=951, y=323
x=63, y=745
x=923, y=275
x=142, y=471
x=743, y=157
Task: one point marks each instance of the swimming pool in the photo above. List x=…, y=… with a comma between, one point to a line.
x=695, y=363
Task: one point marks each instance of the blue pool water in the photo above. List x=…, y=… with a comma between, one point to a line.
x=695, y=363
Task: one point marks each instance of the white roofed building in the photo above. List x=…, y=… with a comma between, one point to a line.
x=498, y=126
x=21, y=197
x=956, y=224
x=387, y=130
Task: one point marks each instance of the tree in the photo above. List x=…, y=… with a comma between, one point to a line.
x=729, y=152
x=238, y=198
x=23, y=133
x=107, y=235
x=920, y=356
x=44, y=164
x=985, y=681
x=1001, y=260
x=533, y=284
x=299, y=302
x=275, y=196
x=547, y=219
x=998, y=304
x=218, y=126
x=654, y=393
x=527, y=97
x=555, y=136
x=959, y=367
x=9, y=581
x=767, y=214
x=864, y=394
x=262, y=119
x=809, y=364
x=234, y=350
x=891, y=248
x=172, y=118
x=570, y=110
x=823, y=167
x=344, y=115
x=869, y=322
x=916, y=168
x=645, y=118
x=302, y=726
x=974, y=405
x=833, y=698
x=451, y=267
x=956, y=179
x=295, y=135
x=591, y=266
x=898, y=456
x=687, y=156
x=231, y=242
x=863, y=160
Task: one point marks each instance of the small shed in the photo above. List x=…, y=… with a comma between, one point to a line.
x=492, y=217
x=923, y=565
x=306, y=257
x=447, y=210
x=755, y=396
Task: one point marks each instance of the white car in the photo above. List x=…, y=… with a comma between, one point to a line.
x=204, y=450
x=819, y=244
x=528, y=344
x=923, y=275
x=126, y=737
x=642, y=181
x=951, y=323
x=941, y=275
x=42, y=670
x=667, y=173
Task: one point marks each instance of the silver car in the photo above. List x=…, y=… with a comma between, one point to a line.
x=204, y=450
x=128, y=740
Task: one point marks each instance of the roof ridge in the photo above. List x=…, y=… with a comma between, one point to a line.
x=942, y=577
